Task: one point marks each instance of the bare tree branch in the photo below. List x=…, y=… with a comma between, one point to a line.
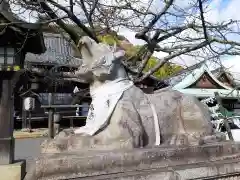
x=74, y=19
x=173, y=55
x=174, y=30
x=155, y=19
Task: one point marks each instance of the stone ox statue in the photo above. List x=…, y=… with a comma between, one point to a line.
x=122, y=116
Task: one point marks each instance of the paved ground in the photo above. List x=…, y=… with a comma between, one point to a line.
x=23, y=134
x=27, y=148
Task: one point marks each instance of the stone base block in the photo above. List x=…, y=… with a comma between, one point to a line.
x=15, y=171
x=214, y=161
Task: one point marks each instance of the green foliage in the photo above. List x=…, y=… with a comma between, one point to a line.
x=108, y=39
x=167, y=70
x=133, y=50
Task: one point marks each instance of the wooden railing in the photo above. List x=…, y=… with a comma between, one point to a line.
x=52, y=123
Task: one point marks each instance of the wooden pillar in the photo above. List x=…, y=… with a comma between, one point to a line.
x=6, y=122
x=71, y=122
x=24, y=118
x=50, y=116
x=29, y=121
x=24, y=112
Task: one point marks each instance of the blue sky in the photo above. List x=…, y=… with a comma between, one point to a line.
x=224, y=3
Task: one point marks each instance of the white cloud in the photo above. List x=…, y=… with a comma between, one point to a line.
x=22, y=13
x=231, y=11
x=232, y=63
x=130, y=35
x=32, y=16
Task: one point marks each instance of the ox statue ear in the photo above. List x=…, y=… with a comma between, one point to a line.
x=117, y=53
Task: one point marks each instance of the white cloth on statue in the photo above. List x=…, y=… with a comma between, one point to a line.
x=236, y=122
x=104, y=101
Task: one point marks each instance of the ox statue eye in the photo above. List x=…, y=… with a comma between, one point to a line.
x=91, y=42
x=104, y=60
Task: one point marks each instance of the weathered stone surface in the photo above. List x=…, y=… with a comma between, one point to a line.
x=15, y=171
x=182, y=119
x=186, y=162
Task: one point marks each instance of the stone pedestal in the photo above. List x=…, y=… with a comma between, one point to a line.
x=215, y=161
x=15, y=171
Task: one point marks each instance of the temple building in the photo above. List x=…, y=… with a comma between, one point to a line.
x=201, y=82
x=59, y=54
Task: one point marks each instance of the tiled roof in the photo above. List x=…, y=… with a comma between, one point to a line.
x=59, y=52
x=178, y=77
x=195, y=75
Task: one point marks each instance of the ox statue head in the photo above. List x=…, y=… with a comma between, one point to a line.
x=99, y=58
